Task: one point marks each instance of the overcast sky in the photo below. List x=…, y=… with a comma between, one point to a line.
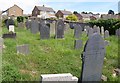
x=96, y=6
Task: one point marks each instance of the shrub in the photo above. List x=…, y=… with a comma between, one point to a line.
x=72, y=18
x=110, y=24
x=20, y=19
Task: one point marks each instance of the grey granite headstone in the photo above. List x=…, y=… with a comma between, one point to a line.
x=59, y=29
x=90, y=32
x=23, y=49
x=77, y=31
x=106, y=34
x=28, y=24
x=44, y=30
x=92, y=58
x=78, y=44
x=34, y=26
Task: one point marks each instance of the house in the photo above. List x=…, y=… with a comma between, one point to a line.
x=79, y=16
x=86, y=17
x=108, y=16
x=43, y=12
x=14, y=11
x=63, y=14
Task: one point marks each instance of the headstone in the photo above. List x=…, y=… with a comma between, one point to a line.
x=90, y=32
x=78, y=44
x=102, y=31
x=34, y=26
x=60, y=29
x=98, y=30
x=67, y=27
x=106, y=34
x=52, y=28
x=21, y=25
x=44, y=30
x=72, y=25
x=10, y=22
x=95, y=29
x=92, y=58
x=87, y=29
x=28, y=24
x=11, y=28
x=58, y=78
x=9, y=35
x=23, y=49
x=77, y=31
x=106, y=43
x=117, y=32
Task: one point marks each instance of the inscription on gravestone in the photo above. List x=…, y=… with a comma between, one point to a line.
x=60, y=29
x=77, y=31
x=44, y=30
x=92, y=58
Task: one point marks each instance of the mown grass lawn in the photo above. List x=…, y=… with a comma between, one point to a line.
x=50, y=56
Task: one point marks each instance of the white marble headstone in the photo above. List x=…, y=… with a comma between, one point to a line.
x=11, y=28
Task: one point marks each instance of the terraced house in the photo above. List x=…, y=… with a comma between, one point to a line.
x=43, y=12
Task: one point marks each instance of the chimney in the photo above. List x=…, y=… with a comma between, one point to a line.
x=43, y=5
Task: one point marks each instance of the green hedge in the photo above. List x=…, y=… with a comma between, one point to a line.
x=110, y=24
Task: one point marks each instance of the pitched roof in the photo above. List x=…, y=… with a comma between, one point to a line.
x=43, y=8
x=15, y=5
x=66, y=12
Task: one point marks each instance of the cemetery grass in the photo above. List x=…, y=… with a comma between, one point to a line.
x=50, y=56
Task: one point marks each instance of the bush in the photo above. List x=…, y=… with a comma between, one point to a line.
x=20, y=19
x=111, y=24
x=72, y=18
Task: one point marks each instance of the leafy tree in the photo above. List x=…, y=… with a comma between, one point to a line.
x=72, y=18
x=20, y=19
x=75, y=12
x=111, y=12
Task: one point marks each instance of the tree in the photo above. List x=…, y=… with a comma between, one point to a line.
x=111, y=12
x=75, y=12
x=72, y=18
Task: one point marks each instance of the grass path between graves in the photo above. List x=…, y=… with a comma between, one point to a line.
x=50, y=56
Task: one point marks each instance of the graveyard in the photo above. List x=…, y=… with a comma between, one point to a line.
x=51, y=55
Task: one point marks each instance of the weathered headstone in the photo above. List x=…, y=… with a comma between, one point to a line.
x=58, y=78
x=11, y=28
x=78, y=44
x=21, y=25
x=52, y=28
x=98, y=30
x=94, y=29
x=90, y=32
x=77, y=31
x=23, y=49
x=28, y=24
x=44, y=30
x=102, y=31
x=59, y=29
x=34, y=26
x=106, y=34
x=67, y=27
x=92, y=58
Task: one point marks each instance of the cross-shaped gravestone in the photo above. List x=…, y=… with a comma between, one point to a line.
x=44, y=30
x=60, y=29
x=106, y=34
x=92, y=58
x=77, y=31
x=34, y=26
x=23, y=49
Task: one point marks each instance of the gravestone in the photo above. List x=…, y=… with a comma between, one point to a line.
x=92, y=58
x=106, y=34
x=52, y=28
x=44, y=30
x=67, y=27
x=58, y=78
x=23, y=49
x=72, y=25
x=106, y=43
x=98, y=30
x=11, y=28
x=90, y=32
x=34, y=26
x=116, y=32
x=77, y=31
x=10, y=22
x=28, y=24
x=102, y=31
x=78, y=44
x=87, y=29
x=95, y=29
x=21, y=25
x=1, y=45
x=59, y=29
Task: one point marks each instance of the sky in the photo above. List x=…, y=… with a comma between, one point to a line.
x=95, y=6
